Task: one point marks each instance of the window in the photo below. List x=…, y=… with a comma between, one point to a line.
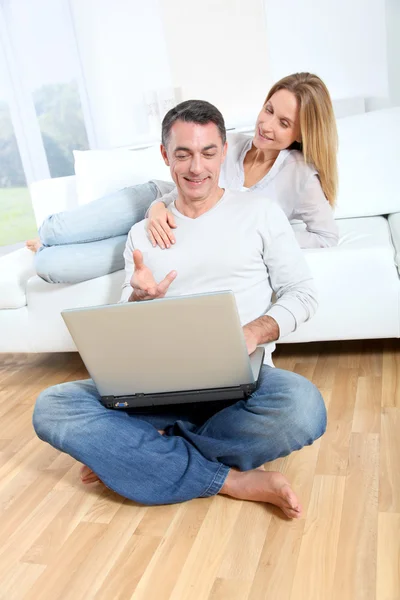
x=41, y=117
x=47, y=63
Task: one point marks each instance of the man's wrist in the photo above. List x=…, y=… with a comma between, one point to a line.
x=264, y=329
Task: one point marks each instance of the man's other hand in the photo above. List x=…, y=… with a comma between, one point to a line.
x=143, y=283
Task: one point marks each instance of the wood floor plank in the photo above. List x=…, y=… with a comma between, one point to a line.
x=55, y=581
x=320, y=540
x=108, y=548
x=355, y=573
x=18, y=581
x=389, y=485
x=20, y=509
x=105, y=508
x=157, y=520
x=30, y=527
x=334, y=452
x=306, y=369
x=122, y=580
x=163, y=570
x=229, y=588
x=326, y=367
x=371, y=358
x=367, y=411
x=201, y=567
x=277, y=565
x=11, y=492
x=244, y=548
x=388, y=568
x=16, y=462
x=391, y=374
x=350, y=354
x=31, y=456
x=60, y=528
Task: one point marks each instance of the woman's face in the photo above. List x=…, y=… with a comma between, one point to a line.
x=278, y=124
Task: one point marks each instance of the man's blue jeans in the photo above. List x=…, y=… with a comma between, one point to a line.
x=200, y=444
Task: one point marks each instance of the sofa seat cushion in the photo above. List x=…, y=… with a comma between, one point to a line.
x=360, y=297
x=46, y=301
x=15, y=270
x=14, y=330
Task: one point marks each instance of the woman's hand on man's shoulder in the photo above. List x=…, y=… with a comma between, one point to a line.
x=159, y=226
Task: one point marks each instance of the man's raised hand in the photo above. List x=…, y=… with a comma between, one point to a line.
x=144, y=286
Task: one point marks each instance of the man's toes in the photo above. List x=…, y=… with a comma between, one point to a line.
x=293, y=509
x=88, y=476
x=288, y=495
x=291, y=512
x=90, y=479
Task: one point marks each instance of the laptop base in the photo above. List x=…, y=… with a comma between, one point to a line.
x=185, y=397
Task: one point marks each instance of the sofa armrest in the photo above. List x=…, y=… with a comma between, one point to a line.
x=51, y=196
x=16, y=269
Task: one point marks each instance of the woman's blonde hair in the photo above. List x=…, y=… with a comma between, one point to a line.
x=319, y=141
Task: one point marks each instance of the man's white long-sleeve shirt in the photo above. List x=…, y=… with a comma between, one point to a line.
x=244, y=245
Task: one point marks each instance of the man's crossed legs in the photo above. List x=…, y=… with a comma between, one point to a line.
x=204, y=451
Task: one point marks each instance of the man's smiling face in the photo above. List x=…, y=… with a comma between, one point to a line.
x=195, y=154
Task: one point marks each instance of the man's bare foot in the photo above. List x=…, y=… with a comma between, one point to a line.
x=263, y=486
x=34, y=244
x=88, y=476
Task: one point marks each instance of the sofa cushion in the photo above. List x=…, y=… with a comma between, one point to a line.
x=368, y=160
x=14, y=331
x=357, y=283
x=15, y=270
x=102, y=172
x=46, y=301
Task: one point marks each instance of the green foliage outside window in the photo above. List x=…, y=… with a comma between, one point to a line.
x=60, y=119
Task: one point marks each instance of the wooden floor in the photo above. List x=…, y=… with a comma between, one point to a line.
x=60, y=539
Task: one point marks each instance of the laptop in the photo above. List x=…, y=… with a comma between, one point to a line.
x=166, y=351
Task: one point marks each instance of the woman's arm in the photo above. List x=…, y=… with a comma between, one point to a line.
x=316, y=213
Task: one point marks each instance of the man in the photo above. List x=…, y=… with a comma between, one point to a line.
x=224, y=240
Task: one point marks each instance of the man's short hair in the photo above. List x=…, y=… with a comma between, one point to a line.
x=193, y=111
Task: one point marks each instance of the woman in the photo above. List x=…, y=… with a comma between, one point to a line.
x=292, y=157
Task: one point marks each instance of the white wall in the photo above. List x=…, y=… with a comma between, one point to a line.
x=217, y=51
x=137, y=53
x=342, y=41
x=228, y=52
x=393, y=49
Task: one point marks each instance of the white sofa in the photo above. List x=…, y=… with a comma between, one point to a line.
x=358, y=281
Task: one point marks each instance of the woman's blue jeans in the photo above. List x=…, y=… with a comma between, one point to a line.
x=200, y=444
x=89, y=241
